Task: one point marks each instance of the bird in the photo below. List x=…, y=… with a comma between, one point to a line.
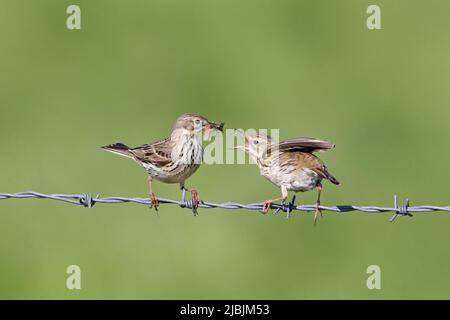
x=175, y=158
x=290, y=165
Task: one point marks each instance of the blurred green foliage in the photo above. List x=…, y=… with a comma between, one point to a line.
x=310, y=68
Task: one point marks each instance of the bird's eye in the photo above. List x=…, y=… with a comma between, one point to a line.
x=197, y=121
x=255, y=141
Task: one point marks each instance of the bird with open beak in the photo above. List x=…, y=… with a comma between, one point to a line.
x=174, y=159
x=290, y=164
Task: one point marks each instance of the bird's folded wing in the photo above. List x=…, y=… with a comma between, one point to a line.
x=158, y=153
x=304, y=145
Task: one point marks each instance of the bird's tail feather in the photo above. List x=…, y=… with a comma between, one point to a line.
x=332, y=179
x=120, y=149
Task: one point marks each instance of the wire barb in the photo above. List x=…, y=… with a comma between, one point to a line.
x=288, y=208
x=401, y=211
x=88, y=201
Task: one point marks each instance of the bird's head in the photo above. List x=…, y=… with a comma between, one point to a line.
x=194, y=123
x=256, y=146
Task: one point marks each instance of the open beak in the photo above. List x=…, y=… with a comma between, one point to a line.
x=243, y=147
x=241, y=132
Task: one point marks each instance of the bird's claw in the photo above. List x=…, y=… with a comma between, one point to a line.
x=154, y=202
x=266, y=206
x=195, y=199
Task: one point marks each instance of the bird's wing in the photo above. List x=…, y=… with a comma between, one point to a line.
x=304, y=145
x=308, y=161
x=157, y=153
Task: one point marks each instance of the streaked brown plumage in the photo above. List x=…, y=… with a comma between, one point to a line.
x=174, y=159
x=290, y=164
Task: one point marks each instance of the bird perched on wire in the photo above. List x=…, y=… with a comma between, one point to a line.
x=174, y=159
x=290, y=164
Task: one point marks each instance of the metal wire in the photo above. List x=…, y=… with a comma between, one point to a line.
x=87, y=200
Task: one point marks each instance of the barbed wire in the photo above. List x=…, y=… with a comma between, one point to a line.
x=87, y=200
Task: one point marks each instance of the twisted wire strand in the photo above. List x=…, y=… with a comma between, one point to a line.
x=89, y=201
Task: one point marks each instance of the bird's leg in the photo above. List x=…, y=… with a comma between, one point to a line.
x=183, y=192
x=154, y=203
x=284, y=195
x=319, y=190
x=268, y=203
x=194, y=196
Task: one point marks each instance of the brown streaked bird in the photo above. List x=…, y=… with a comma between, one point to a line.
x=174, y=159
x=290, y=164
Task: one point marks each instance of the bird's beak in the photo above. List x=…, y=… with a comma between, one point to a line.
x=246, y=137
x=209, y=126
x=243, y=147
x=241, y=132
x=217, y=126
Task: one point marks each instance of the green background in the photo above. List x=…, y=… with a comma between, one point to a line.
x=310, y=68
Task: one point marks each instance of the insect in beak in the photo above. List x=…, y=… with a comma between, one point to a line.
x=209, y=126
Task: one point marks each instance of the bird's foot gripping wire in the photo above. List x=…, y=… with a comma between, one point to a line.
x=154, y=202
x=193, y=203
x=266, y=206
x=195, y=198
